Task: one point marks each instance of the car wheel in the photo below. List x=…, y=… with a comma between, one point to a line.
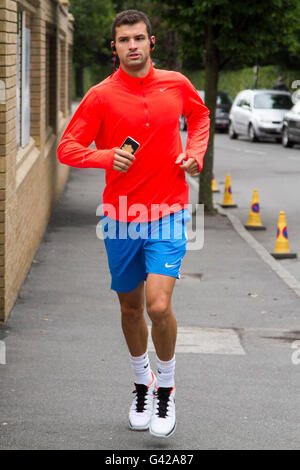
x=286, y=142
x=252, y=136
x=231, y=132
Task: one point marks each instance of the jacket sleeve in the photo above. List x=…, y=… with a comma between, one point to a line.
x=73, y=149
x=198, y=122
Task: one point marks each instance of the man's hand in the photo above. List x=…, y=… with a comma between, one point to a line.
x=123, y=160
x=190, y=166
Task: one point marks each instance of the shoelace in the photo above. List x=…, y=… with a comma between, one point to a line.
x=163, y=397
x=141, y=391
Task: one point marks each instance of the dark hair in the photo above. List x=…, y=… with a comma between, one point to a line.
x=130, y=17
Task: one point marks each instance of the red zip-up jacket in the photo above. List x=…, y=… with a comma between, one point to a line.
x=148, y=110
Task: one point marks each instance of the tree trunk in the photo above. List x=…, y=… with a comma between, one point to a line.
x=211, y=89
x=79, y=82
x=173, y=61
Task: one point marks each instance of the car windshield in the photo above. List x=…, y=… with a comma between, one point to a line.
x=272, y=101
x=223, y=98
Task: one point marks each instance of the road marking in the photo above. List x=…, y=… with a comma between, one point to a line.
x=206, y=341
x=239, y=149
x=2, y=353
x=255, y=152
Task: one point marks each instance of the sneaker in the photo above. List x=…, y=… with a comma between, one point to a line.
x=163, y=419
x=142, y=406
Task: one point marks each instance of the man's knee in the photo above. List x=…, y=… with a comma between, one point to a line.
x=132, y=313
x=159, y=310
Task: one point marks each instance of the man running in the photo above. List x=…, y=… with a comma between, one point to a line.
x=144, y=103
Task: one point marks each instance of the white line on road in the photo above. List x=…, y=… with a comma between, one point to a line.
x=2, y=353
x=239, y=149
x=255, y=152
x=293, y=157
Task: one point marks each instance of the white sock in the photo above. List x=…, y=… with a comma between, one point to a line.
x=141, y=368
x=165, y=373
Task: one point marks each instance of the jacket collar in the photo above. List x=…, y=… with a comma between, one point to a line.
x=136, y=82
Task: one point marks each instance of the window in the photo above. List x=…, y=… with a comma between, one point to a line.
x=240, y=101
x=51, y=81
x=63, y=76
x=23, y=79
x=70, y=72
x=224, y=99
x=272, y=101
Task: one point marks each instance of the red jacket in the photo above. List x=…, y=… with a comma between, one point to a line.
x=148, y=110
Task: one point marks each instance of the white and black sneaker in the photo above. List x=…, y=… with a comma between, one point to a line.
x=142, y=406
x=163, y=419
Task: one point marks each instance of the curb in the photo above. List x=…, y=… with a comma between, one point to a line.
x=285, y=275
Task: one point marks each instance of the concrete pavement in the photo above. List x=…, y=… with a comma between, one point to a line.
x=67, y=380
x=274, y=171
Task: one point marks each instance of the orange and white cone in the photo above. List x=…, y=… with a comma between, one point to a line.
x=282, y=249
x=214, y=187
x=254, y=221
x=228, y=200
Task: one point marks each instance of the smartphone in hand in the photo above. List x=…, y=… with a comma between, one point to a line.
x=130, y=145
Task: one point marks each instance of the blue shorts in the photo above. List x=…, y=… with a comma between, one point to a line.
x=136, y=249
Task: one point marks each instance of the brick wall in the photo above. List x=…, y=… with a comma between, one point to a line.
x=31, y=178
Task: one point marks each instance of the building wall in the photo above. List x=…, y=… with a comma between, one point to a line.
x=31, y=178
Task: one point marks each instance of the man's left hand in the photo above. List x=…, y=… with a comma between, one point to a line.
x=190, y=166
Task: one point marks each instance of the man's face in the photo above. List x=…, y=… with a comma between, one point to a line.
x=133, y=45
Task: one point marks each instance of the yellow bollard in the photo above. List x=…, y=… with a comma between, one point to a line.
x=228, y=201
x=282, y=249
x=254, y=221
x=214, y=187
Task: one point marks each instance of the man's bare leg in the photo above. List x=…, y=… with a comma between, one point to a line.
x=136, y=334
x=159, y=290
x=133, y=320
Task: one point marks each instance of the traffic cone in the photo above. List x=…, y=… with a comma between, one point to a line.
x=228, y=201
x=282, y=249
x=214, y=187
x=254, y=222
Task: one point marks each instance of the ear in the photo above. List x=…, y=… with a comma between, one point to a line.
x=112, y=45
x=153, y=41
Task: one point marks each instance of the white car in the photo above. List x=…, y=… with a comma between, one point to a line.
x=259, y=114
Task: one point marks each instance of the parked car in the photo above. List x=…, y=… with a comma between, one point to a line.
x=259, y=114
x=223, y=106
x=296, y=95
x=291, y=126
x=224, y=103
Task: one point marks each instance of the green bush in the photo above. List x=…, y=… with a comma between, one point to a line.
x=231, y=81
x=234, y=81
